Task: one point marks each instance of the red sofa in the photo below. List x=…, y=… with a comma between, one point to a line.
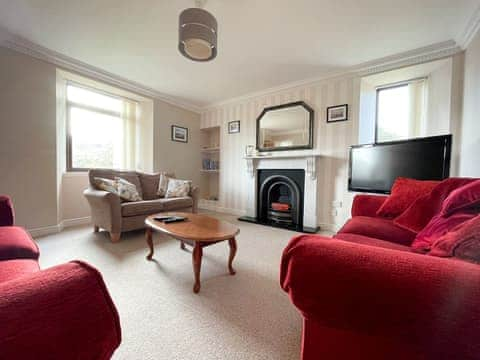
x=64, y=312
x=365, y=295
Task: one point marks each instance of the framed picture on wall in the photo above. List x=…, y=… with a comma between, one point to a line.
x=234, y=127
x=337, y=113
x=179, y=134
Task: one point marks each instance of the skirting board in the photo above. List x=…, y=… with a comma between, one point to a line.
x=211, y=207
x=55, y=229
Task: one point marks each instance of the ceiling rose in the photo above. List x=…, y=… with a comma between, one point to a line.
x=197, y=34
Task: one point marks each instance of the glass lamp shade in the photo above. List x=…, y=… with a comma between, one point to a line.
x=197, y=34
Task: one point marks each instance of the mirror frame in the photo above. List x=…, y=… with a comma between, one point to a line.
x=283, y=106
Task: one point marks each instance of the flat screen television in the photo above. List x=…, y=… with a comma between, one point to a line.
x=373, y=168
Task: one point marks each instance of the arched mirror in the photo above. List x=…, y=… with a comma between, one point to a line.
x=285, y=127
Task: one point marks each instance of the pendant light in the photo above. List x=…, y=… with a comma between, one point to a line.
x=197, y=33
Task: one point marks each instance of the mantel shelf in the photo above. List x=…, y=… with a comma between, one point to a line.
x=283, y=156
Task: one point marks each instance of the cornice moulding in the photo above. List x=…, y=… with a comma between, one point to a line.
x=27, y=47
x=473, y=27
x=418, y=56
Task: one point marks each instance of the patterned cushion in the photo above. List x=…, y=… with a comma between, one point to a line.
x=105, y=185
x=127, y=191
x=130, y=176
x=178, y=188
x=162, y=185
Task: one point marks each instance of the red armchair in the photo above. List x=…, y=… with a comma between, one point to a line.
x=366, y=297
x=64, y=312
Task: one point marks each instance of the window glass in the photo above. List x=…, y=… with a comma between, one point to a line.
x=96, y=139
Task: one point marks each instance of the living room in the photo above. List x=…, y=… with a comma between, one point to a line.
x=134, y=136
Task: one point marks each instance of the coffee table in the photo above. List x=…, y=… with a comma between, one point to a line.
x=198, y=231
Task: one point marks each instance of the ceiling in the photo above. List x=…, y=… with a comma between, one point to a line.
x=262, y=44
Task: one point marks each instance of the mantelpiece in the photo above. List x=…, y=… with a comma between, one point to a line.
x=310, y=159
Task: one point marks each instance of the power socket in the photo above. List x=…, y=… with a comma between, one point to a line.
x=337, y=204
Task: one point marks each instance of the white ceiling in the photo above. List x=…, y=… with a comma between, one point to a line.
x=262, y=44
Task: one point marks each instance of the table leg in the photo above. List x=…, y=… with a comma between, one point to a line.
x=148, y=237
x=233, y=251
x=197, y=263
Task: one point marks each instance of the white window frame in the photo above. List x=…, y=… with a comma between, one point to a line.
x=388, y=87
x=70, y=105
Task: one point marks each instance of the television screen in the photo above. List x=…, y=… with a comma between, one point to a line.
x=374, y=167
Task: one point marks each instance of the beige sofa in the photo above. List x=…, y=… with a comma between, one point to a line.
x=112, y=214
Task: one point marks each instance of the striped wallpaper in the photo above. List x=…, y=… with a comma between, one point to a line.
x=331, y=140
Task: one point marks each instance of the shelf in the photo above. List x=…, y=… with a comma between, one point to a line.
x=216, y=149
x=209, y=171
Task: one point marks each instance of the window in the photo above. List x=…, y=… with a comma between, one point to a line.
x=400, y=111
x=97, y=129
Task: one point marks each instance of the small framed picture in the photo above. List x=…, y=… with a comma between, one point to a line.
x=337, y=113
x=234, y=127
x=179, y=134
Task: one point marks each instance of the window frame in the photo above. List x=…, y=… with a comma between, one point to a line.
x=389, y=87
x=69, y=105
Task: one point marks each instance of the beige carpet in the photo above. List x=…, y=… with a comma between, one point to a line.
x=246, y=316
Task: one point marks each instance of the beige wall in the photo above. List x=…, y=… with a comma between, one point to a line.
x=181, y=158
x=28, y=138
x=28, y=144
x=331, y=140
x=470, y=141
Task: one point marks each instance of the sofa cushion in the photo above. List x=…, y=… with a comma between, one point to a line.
x=149, y=185
x=438, y=227
x=130, y=176
x=365, y=240
x=127, y=191
x=177, y=203
x=404, y=192
x=462, y=242
x=12, y=269
x=178, y=188
x=464, y=197
x=419, y=214
x=379, y=228
x=7, y=215
x=16, y=243
x=145, y=207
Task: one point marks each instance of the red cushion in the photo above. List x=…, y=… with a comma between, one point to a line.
x=437, y=227
x=16, y=243
x=12, y=269
x=464, y=197
x=463, y=242
x=419, y=214
x=365, y=240
x=378, y=228
x=7, y=215
x=404, y=192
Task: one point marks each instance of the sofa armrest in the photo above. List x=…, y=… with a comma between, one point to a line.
x=64, y=312
x=367, y=205
x=105, y=208
x=422, y=299
x=195, y=194
x=7, y=214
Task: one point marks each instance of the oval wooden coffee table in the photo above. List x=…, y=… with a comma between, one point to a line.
x=198, y=231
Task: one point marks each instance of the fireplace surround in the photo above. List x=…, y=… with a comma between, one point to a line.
x=299, y=165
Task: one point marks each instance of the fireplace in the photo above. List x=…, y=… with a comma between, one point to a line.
x=290, y=183
x=280, y=198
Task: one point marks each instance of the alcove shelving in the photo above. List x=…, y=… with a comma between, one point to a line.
x=210, y=167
